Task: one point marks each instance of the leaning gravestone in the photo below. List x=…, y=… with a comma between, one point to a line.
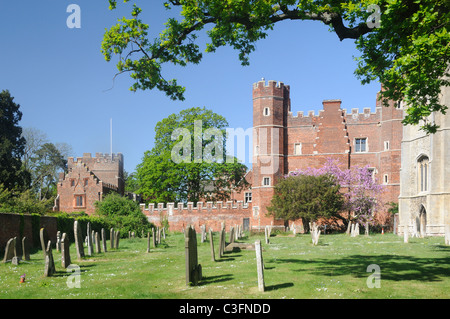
x=232, y=235
x=43, y=236
x=213, y=257
x=65, y=253
x=49, y=262
x=259, y=265
x=193, y=268
x=78, y=240
x=25, y=253
x=10, y=250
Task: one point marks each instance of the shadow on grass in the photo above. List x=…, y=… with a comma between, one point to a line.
x=392, y=267
x=279, y=286
x=215, y=279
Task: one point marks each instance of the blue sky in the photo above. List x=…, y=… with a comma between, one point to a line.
x=64, y=86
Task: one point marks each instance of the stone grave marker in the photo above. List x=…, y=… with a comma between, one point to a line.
x=116, y=239
x=90, y=247
x=232, y=235
x=65, y=251
x=104, y=240
x=58, y=241
x=78, y=240
x=43, y=236
x=98, y=247
x=10, y=250
x=266, y=234
x=211, y=242
x=111, y=238
x=25, y=252
x=49, y=262
x=193, y=268
x=154, y=237
x=259, y=265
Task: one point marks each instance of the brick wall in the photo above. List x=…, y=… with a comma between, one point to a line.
x=181, y=216
x=10, y=226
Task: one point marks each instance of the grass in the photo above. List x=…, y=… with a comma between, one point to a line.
x=334, y=269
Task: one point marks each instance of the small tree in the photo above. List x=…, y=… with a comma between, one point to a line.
x=307, y=197
x=122, y=213
x=361, y=191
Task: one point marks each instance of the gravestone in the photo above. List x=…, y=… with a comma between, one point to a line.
x=58, y=241
x=266, y=234
x=211, y=242
x=65, y=251
x=10, y=250
x=49, y=262
x=116, y=239
x=90, y=247
x=98, y=246
x=315, y=234
x=43, y=236
x=349, y=227
x=259, y=265
x=405, y=234
x=154, y=237
x=111, y=238
x=78, y=240
x=104, y=240
x=202, y=233
x=25, y=252
x=193, y=268
x=221, y=239
x=232, y=235
x=15, y=261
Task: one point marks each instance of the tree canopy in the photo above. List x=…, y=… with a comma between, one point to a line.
x=12, y=144
x=188, y=162
x=403, y=43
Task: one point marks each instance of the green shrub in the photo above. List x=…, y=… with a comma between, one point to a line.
x=122, y=214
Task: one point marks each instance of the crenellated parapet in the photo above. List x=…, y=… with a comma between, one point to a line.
x=190, y=207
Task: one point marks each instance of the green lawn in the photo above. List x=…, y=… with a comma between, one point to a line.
x=336, y=268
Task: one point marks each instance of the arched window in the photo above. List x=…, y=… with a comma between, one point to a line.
x=423, y=169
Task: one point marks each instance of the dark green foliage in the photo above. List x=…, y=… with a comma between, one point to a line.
x=12, y=144
x=306, y=197
x=121, y=214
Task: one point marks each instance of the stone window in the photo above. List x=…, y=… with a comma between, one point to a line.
x=386, y=145
x=385, y=179
x=423, y=164
x=248, y=197
x=266, y=181
x=266, y=111
x=361, y=145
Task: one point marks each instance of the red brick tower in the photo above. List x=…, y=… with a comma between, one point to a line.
x=271, y=104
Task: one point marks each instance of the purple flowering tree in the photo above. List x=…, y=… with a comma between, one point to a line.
x=362, y=192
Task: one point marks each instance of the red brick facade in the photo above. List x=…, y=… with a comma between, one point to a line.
x=88, y=180
x=284, y=142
